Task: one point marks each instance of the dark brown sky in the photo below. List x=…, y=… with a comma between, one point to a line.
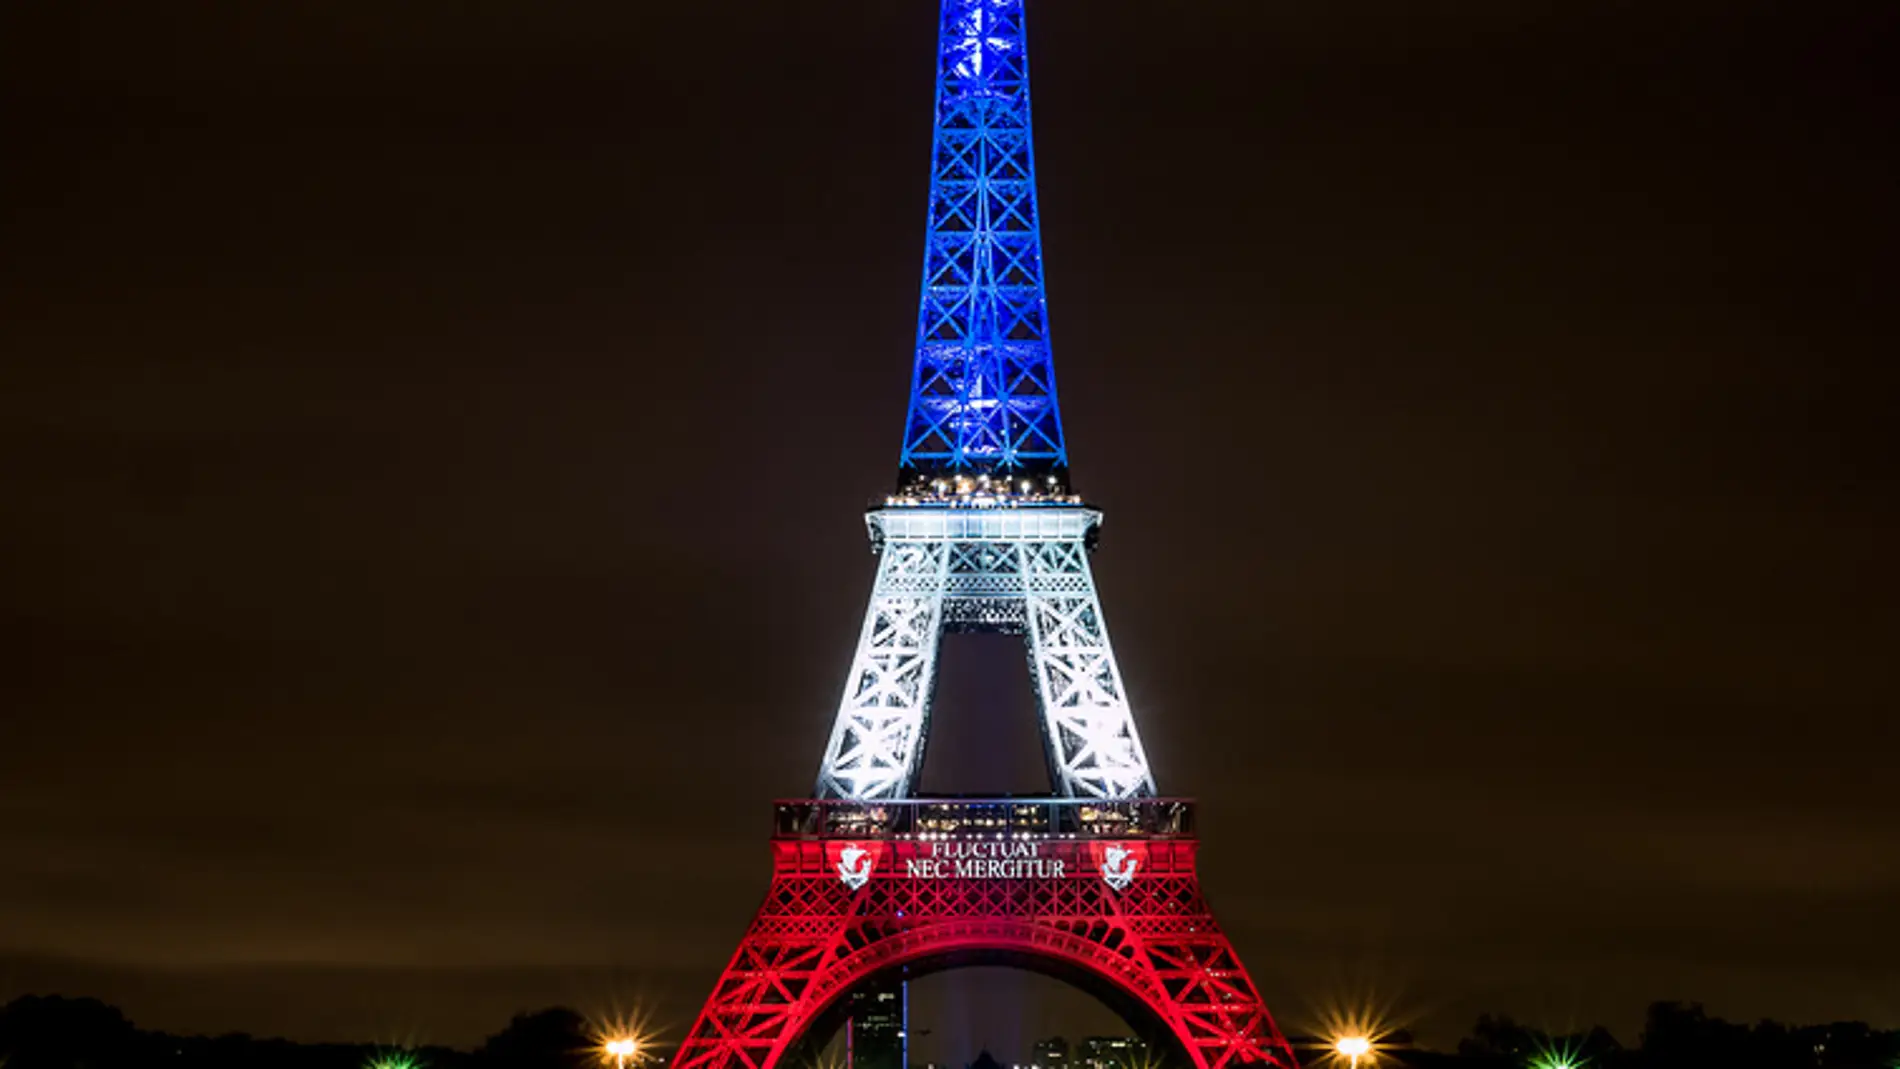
x=434, y=438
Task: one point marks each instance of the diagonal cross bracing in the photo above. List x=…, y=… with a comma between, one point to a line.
x=1022, y=571
x=983, y=392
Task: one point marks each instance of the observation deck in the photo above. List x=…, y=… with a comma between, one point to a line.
x=983, y=508
x=984, y=818
x=1011, y=523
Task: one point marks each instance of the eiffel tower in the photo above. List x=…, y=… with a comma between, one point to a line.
x=1095, y=882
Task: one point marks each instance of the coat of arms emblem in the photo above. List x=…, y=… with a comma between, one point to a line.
x=854, y=866
x=1118, y=867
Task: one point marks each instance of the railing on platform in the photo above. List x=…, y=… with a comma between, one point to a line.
x=1078, y=818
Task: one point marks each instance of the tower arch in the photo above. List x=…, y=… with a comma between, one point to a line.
x=1008, y=951
x=1102, y=894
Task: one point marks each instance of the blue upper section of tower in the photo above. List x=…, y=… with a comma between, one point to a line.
x=983, y=396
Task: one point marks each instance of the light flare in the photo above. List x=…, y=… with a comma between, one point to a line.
x=1560, y=1054
x=621, y=1040
x=1354, y=1033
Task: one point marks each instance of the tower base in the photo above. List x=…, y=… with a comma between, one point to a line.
x=1102, y=894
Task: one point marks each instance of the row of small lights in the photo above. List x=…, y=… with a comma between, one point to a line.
x=983, y=490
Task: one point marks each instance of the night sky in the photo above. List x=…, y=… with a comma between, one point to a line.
x=435, y=437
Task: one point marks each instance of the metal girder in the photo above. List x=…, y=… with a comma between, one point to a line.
x=1020, y=571
x=983, y=393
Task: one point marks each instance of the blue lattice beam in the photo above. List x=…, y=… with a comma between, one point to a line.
x=983, y=396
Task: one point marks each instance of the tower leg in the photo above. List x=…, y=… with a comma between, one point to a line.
x=1091, y=733
x=877, y=739
x=1023, y=571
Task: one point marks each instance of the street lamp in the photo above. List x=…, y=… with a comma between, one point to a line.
x=622, y=1049
x=1353, y=1047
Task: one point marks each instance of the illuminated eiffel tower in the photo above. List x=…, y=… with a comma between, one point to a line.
x=983, y=533
x=1094, y=883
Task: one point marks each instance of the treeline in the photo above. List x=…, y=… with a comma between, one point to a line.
x=1675, y=1035
x=39, y=1032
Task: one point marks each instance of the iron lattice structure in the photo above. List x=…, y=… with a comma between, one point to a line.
x=983, y=535
x=1096, y=884
x=1114, y=905
x=1022, y=570
x=983, y=396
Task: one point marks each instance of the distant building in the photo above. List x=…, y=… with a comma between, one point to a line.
x=879, y=1036
x=1051, y=1053
x=1110, y=1052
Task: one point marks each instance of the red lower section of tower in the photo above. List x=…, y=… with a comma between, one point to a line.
x=1115, y=904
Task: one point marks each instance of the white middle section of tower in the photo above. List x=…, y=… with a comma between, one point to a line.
x=1018, y=570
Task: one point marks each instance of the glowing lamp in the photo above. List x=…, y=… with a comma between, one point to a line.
x=621, y=1049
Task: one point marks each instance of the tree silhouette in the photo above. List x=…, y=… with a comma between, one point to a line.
x=50, y=1032
x=555, y=1038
